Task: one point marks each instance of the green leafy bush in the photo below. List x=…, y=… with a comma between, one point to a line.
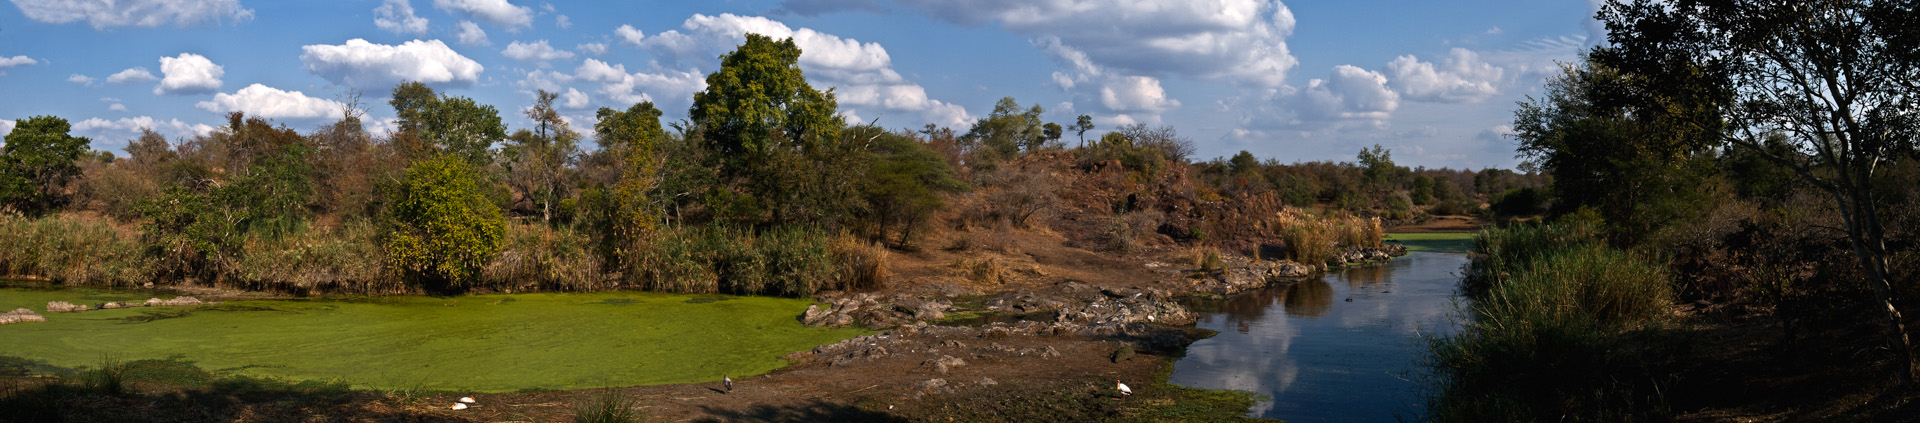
x=441, y=227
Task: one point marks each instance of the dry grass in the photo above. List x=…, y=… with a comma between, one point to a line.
x=863, y=265
x=983, y=270
x=73, y=249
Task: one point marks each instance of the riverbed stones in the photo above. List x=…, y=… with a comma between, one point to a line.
x=65, y=307
x=944, y=365
x=20, y=315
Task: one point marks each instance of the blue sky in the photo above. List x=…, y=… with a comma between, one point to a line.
x=1435, y=81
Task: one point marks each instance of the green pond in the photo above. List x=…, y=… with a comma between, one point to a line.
x=484, y=343
x=1456, y=243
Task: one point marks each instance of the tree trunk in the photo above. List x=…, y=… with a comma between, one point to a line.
x=1869, y=246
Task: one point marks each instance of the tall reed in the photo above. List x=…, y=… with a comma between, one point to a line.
x=73, y=249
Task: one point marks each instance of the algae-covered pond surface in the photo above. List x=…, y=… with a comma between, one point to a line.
x=488, y=343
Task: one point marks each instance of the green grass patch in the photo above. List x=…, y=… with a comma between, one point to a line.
x=480, y=343
x=1451, y=243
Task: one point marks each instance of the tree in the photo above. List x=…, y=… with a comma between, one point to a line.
x=441, y=228
x=1836, y=77
x=1080, y=127
x=773, y=133
x=903, y=182
x=36, y=163
x=537, y=159
x=1171, y=145
x=454, y=125
x=1051, y=132
x=627, y=210
x=1007, y=131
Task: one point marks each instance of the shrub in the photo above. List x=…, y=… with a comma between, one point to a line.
x=863, y=266
x=345, y=257
x=607, y=407
x=545, y=258
x=1309, y=240
x=441, y=227
x=72, y=250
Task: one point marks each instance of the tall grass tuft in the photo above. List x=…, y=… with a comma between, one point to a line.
x=315, y=259
x=110, y=378
x=538, y=257
x=863, y=265
x=607, y=407
x=1309, y=239
x=792, y=261
x=1563, y=329
x=72, y=249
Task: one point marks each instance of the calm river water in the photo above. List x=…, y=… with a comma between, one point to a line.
x=1323, y=358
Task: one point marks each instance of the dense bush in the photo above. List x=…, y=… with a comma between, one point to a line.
x=793, y=261
x=73, y=250
x=441, y=229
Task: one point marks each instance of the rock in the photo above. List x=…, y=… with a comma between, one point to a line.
x=20, y=315
x=814, y=315
x=63, y=306
x=1049, y=352
x=933, y=385
x=987, y=381
x=839, y=320
x=1123, y=354
x=944, y=364
x=113, y=305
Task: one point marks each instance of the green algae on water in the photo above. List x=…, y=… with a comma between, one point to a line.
x=1452, y=243
x=487, y=343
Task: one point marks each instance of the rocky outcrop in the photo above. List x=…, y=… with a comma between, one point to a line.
x=63, y=306
x=20, y=315
x=875, y=312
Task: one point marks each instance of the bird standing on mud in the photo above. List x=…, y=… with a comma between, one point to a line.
x=1124, y=390
x=727, y=382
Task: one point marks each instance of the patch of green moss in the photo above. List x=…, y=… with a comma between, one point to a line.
x=1452, y=243
x=542, y=341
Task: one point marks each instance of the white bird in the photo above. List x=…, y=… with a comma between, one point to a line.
x=468, y=400
x=1124, y=390
x=728, y=382
x=459, y=406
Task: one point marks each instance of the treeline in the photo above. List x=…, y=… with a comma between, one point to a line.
x=1718, y=155
x=764, y=189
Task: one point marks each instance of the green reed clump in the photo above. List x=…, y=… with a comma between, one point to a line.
x=72, y=249
x=314, y=259
x=607, y=407
x=790, y=261
x=539, y=257
x=1562, y=328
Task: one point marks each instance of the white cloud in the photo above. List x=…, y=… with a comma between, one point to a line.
x=671, y=89
x=597, y=49
x=117, y=107
x=496, y=12
x=131, y=75
x=574, y=99
x=552, y=81
x=471, y=34
x=1461, y=78
x=563, y=22
x=188, y=73
x=1349, y=95
x=81, y=80
x=536, y=52
x=108, y=132
x=272, y=103
x=368, y=66
x=1136, y=93
x=6, y=127
x=102, y=14
x=397, y=16
x=811, y=8
x=8, y=62
x=862, y=73
x=628, y=34
x=1242, y=41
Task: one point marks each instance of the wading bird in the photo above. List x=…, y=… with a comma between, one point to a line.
x=459, y=406
x=468, y=400
x=727, y=382
x=1124, y=390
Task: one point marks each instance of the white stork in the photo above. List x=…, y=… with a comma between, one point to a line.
x=727, y=382
x=1124, y=390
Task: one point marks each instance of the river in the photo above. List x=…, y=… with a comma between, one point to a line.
x=1341, y=349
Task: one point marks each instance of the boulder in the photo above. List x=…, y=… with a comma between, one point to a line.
x=63, y=306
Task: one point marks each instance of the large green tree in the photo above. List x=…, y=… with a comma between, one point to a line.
x=537, y=160
x=1007, y=131
x=450, y=124
x=440, y=227
x=623, y=213
x=36, y=163
x=1836, y=77
x=775, y=136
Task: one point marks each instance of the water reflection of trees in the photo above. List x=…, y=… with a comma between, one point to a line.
x=1368, y=276
x=1309, y=298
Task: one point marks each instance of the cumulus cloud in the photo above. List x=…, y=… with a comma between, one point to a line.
x=132, y=75
x=368, y=66
x=6, y=127
x=1242, y=41
x=471, y=34
x=630, y=35
x=1349, y=95
x=117, y=107
x=496, y=12
x=597, y=49
x=107, y=132
x=81, y=80
x=562, y=22
x=272, y=103
x=188, y=73
x=1461, y=78
x=862, y=73
x=397, y=16
x=671, y=88
x=1136, y=93
x=103, y=14
x=8, y=62
x=574, y=99
x=535, y=52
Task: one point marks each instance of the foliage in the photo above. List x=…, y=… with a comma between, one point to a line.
x=198, y=230
x=776, y=138
x=622, y=214
x=607, y=407
x=1563, y=328
x=903, y=184
x=1006, y=132
x=36, y=162
x=441, y=227
x=792, y=261
x=72, y=250
x=455, y=126
x=537, y=160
